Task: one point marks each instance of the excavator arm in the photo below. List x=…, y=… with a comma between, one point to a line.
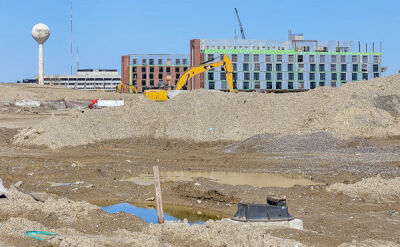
x=226, y=62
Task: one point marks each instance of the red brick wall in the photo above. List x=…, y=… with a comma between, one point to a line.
x=125, y=69
x=195, y=59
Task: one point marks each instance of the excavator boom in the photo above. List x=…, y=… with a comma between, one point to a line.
x=226, y=62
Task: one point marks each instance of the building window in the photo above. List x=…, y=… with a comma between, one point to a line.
x=333, y=67
x=300, y=76
x=134, y=69
x=278, y=67
x=211, y=85
x=160, y=61
x=256, y=76
x=364, y=67
x=279, y=76
x=246, y=85
x=151, y=61
x=301, y=67
x=234, y=85
x=269, y=67
x=151, y=69
x=333, y=76
x=210, y=76
x=143, y=61
x=365, y=76
x=168, y=69
x=343, y=67
x=312, y=76
x=246, y=67
x=291, y=76
x=143, y=69
x=134, y=61
x=354, y=59
x=322, y=76
x=268, y=76
x=177, y=61
x=290, y=67
x=134, y=82
x=312, y=59
x=312, y=67
x=376, y=75
x=322, y=58
x=221, y=57
x=343, y=76
x=222, y=76
x=333, y=59
x=375, y=68
x=159, y=76
x=354, y=76
x=177, y=76
x=312, y=85
x=176, y=69
x=151, y=76
x=299, y=58
x=365, y=59
x=333, y=84
x=256, y=58
x=246, y=57
x=278, y=85
x=268, y=58
x=185, y=61
x=269, y=84
x=291, y=58
x=256, y=67
x=279, y=58
x=290, y=85
x=247, y=76
x=355, y=67
x=322, y=67
x=234, y=58
x=134, y=75
x=257, y=85
x=234, y=75
x=342, y=59
x=322, y=84
x=143, y=82
x=210, y=57
x=376, y=59
x=151, y=82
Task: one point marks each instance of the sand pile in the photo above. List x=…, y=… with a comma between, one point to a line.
x=374, y=186
x=362, y=109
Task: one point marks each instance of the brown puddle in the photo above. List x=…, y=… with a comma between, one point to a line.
x=231, y=178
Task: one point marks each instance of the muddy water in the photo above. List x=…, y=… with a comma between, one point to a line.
x=231, y=178
x=149, y=214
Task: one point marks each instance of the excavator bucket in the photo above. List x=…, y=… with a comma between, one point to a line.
x=274, y=210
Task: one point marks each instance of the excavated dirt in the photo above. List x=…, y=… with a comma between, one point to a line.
x=345, y=140
x=363, y=109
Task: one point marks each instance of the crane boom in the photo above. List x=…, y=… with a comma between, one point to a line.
x=240, y=24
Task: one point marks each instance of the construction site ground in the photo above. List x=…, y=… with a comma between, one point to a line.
x=355, y=199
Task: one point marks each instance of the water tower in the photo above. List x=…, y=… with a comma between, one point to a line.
x=41, y=32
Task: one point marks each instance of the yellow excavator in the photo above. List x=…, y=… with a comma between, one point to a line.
x=161, y=95
x=130, y=87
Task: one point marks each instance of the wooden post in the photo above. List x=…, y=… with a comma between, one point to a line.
x=157, y=188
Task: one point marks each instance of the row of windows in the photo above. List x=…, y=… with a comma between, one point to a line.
x=301, y=58
x=278, y=85
x=82, y=79
x=160, y=69
x=300, y=76
x=321, y=67
x=151, y=61
x=151, y=76
x=151, y=82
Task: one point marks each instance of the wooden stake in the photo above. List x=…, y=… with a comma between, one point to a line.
x=157, y=188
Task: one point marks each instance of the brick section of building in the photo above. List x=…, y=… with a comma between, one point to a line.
x=196, y=58
x=152, y=71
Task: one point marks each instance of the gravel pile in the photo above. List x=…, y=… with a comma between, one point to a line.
x=362, y=109
x=370, y=187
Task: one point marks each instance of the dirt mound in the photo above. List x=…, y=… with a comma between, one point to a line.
x=315, y=142
x=361, y=109
x=374, y=186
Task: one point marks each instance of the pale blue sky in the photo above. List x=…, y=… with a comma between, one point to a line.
x=104, y=29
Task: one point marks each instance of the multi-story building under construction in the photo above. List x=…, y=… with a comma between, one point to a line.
x=153, y=70
x=295, y=64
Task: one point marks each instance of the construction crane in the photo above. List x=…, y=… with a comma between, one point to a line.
x=240, y=25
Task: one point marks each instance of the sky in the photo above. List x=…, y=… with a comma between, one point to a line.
x=104, y=30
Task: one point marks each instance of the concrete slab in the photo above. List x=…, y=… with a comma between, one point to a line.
x=292, y=224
